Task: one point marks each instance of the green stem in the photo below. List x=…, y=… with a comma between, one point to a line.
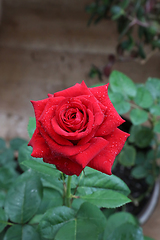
x=68, y=193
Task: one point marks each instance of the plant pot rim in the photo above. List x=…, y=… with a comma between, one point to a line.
x=150, y=206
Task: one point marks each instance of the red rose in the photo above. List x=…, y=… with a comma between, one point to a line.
x=77, y=127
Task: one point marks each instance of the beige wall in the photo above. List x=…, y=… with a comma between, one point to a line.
x=46, y=46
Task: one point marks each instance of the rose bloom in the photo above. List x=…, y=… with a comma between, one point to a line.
x=77, y=127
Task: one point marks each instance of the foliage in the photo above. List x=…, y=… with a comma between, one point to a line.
x=138, y=26
x=39, y=202
x=139, y=103
x=35, y=204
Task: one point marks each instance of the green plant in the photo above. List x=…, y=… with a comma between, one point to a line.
x=41, y=202
x=138, y=27
x=140, y=104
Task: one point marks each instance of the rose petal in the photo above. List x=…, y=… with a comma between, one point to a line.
x=61, y=150
x=40, y=148
x=50, y=95
x=110, y=122
x=64, y=107
x=102, y=107
x=91, y=102
x=69, y=138
x=76, y=90
x=39, y=107
x=87, y=138
x=101, y=93
x=112, y=119
x=104, y=160
x=53, y=101
x=45, y=121
x=96, y=146
x=65, y=165
x=74, y=135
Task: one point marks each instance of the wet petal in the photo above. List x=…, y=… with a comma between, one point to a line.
x=61, y=150
x=104, y=160
x=65, y=165
x=76, y=90
x=96, y=146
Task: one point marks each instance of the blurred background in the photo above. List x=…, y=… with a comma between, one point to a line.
x=46, y=46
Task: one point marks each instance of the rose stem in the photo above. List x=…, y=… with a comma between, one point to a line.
x=68, y=193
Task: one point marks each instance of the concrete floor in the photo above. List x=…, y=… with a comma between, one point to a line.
x=46, y=46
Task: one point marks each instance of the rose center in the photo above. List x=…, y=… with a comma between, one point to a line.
x=72, y=115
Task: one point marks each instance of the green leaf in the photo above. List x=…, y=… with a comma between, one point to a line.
x=90, y=212
x=53, y=182
x=155, y=110
x=119, y=103
x=3, y=219
x=122, y=84
x=116, y=12
x=25, y=155
x=88, y=224
x=24, y=198
x=2, y=144
x=128, y=44
x=141, y=136
x=140, y=158
x=150, y=180
x=78, y=230
x=124, y=4
x=2, y=235
x=96, y=72
x=138, y=116
x=152, y=30
x=53, y=220
x=153, y=85
x=7, y=177
x=108, y=212
x=51, y=198
x=150, y=155
x=31, y=126
x=156, y=43
x=126, y=231
x=36, y=219
x=106, y=198
x=18, y=232
x=94, y=180
x=41, y=167
x=143, y=98
x=157, y=127
x=77, y=202
x=16, y=143
x=6, y=156
x=139, y=172
x=116, y=220
x=127, y=156
x=2, y=198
